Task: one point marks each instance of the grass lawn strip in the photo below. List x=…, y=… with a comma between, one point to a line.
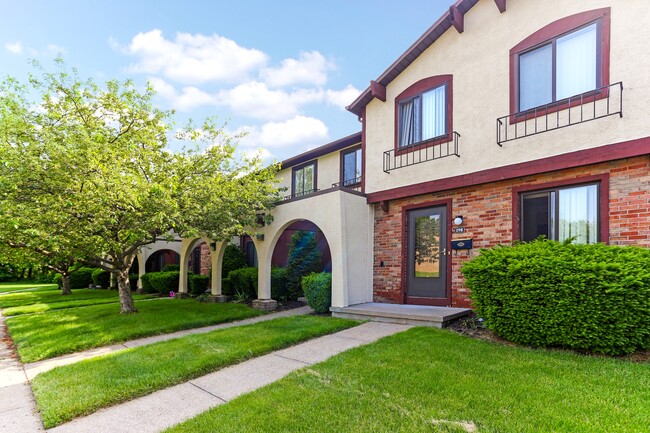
x=32, y=287
x=59, y=332
x=437, y=381
x=82, y=388
x=68, y=301
x=52, y=296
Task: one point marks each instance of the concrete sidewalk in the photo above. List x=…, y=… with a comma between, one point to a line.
x=17, y=407
x=34, y=368
x=162, y=409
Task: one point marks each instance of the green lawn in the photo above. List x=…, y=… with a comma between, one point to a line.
x=82, y=388
x=57, y=332
x=11, y=287
x=428, y=380
x=38, y=302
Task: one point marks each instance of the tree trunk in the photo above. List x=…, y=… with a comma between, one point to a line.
x=65, y=284
x=124, y=288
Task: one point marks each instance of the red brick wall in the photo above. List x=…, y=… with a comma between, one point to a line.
x=487, y=213
x=205, y=259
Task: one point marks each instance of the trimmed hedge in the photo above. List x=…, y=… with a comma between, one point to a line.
x=592, y=298
x=171, y=268
x=279, y=286
x=164, y=282
x=245, y=280
x=101, y=278
x=318, y=291
x=146, y=284
x=198, y=283
x=133, y=281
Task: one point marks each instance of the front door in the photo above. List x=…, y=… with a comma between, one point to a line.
x=427, y=256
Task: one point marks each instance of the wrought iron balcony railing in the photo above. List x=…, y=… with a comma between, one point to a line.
x=595, y=104
x=353, y=184
x=421, y=152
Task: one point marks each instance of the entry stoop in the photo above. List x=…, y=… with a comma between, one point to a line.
x=419, y=315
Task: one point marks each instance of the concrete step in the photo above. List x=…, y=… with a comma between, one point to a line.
x=418, y=315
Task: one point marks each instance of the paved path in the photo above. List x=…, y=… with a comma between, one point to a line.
x=34, y=368
x=162, y=409
x=17, y=407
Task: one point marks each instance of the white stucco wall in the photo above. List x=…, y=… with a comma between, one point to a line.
x=479, y=61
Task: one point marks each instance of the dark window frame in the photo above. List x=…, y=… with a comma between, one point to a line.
x=415, y=90
x=549, y=34
x=344, y=152
x=602, y=181
x=313, y=162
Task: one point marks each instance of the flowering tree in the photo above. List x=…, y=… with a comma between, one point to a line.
x=85, y=170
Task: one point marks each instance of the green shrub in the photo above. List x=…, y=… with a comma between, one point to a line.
x=226, y=287
x=6, y=278
x=318, y=291
x=198, y=283
x=58, y=280
x=304, y=258
x=81, y=278
x=101, y=278
x=585, y=297
x=244, y=281
x=146, y=284
x=171, y=268
x=279, y=288
x=233, y=259
x=164, y=282
x=133, y=281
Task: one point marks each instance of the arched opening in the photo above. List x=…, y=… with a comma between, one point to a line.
x=300, y=249
x=199, y=260
x=281, y=250
x=158, y=260
x=135, y=266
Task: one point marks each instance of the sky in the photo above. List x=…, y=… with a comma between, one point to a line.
x=280, y=71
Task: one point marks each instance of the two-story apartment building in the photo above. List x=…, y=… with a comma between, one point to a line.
x=506, y=120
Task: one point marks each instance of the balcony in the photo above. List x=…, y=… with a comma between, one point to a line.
x=595, y=104
x=417, y=153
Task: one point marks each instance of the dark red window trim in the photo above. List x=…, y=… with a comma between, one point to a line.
x=342, y=165
x=443, y=302
x=313, y=162
x=603, y=201
x=417, y=89
x=552, y=31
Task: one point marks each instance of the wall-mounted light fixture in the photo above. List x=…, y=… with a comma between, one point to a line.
x=260, y=236
x=213, y=246
x=458, y=220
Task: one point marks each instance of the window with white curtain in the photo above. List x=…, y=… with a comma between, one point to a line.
x=423, y=116
x=560, y=214
x=562, y=67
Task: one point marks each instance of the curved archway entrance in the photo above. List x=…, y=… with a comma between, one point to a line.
x=281, y=250
x=159, y=259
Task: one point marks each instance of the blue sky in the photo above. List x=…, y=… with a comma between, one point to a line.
x=280, y=70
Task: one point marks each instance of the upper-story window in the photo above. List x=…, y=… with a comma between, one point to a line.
x=424, y=111
x=565, y=58
x=351, y=167
x=304, y=179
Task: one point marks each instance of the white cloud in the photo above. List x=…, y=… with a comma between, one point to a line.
x=189, y=98
x=14, y=47
x=342, y=98
x=299, y=131
x=193, y=58
x=311, y=68
x=254, y=99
